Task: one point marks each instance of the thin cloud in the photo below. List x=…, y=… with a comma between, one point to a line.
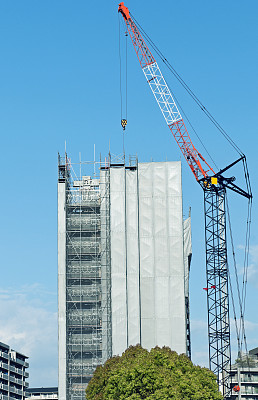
x=200, y=358
x=199, y=339
x=252, y=269
x=198, y=325
x=29, y=325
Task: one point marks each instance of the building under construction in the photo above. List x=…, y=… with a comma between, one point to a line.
x=124, y=255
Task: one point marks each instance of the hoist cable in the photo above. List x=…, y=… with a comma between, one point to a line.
x=241, y=322
x=248, y=234
x=126, y=35
x=240, y=331
x=187, y=88
x=246, y=261
x=248, y=222
x=241, y=297
x=120, y=65
x=247, y=178
x=234, y=312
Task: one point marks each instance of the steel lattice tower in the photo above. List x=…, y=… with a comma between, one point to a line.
x=217, y=284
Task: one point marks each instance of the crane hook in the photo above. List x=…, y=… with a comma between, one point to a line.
x=123, y=123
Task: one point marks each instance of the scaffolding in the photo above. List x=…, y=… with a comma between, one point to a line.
x=87, y=270
x=135, y=209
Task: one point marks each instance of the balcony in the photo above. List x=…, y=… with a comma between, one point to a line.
x=17, y=361
x=19, y=381
x=4, y=387
x=16, y=380
x=4, y=365
x=19, y=371
x=4, y=376
x=4, y=355
x=13, y=389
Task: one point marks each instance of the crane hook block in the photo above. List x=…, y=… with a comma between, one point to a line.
x=123, y=123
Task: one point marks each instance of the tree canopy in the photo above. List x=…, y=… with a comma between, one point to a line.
x=159, y=374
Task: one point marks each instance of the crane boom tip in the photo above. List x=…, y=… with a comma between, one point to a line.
x=124, y=11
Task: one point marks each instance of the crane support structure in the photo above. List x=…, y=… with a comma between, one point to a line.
x=217, y=285
x=214, y=187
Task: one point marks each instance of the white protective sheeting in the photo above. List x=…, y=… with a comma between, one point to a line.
x=132, y=258
x=118, y=265
x=147, y=257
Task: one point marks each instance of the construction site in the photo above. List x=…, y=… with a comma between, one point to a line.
x=124, y=249
x=128, y=220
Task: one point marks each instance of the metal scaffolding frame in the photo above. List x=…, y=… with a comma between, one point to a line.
x=88, y=275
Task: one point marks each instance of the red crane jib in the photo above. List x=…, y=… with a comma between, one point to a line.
x=197, y=163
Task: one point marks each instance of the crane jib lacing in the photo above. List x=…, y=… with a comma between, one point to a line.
x=189, y=91
x=216, y=208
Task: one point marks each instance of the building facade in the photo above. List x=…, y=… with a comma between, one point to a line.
x=244, y=375
x=43, y=393
x=124, y=254
x=13, y=374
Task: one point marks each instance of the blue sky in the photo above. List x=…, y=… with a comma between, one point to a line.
x=60, y=82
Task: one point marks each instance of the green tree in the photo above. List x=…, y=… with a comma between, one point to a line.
x=156, y=375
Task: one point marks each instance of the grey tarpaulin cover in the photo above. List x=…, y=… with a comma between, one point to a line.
x=149, y=274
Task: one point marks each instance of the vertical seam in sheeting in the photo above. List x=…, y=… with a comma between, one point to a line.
x=154, y=254
x=183, y=240
x=126, y=274
x=139, y=255
x=168, y=247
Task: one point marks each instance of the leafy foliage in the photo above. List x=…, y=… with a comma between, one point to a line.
x=160, y=374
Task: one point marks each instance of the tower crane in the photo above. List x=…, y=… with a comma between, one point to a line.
x=214, y=185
